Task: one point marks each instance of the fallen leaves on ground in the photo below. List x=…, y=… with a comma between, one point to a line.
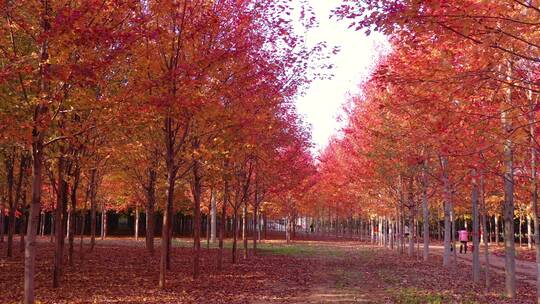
x=302, y=272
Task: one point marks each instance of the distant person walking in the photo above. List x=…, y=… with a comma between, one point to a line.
x=463, y=239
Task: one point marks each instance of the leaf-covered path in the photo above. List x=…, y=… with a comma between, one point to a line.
x=119, y=271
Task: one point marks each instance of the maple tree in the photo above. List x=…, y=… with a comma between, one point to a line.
x=186, y=108
x=110, y=96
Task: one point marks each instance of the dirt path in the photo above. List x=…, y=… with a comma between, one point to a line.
x=525, y=270
x=343, y=277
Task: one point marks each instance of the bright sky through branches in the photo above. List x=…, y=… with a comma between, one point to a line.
x=323, y=102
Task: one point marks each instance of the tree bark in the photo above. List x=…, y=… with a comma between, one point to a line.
x=244, y=230
x=223, y=222
x=508, y=163
x=425, y=209
x=9, y=165
x=72, y=213
x=59, y=222
x=103, y=222
x=150, y=215
x=484, y=229
x=213, y=217
x=196, y=189
x=497, y=239
x=529, y=231
x=476, y=231
x=93, y=208
x=534, y=189
x=411, y=205
x=447, y=210
x=165, y=230
x=137, y=215
x=235, y=235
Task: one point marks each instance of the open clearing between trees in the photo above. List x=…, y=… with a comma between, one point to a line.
x=120, y=271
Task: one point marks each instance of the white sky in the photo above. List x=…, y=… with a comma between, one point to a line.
x=322, y=104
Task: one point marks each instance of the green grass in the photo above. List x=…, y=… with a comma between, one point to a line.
x=414, y=296
x=292, y=250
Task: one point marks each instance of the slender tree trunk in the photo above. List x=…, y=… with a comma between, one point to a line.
x=425, y=209
x=484, y=229
x=447, y=210
x=520, y=229
x=534, y=190
x=52, y=228
x=30, y=245
x=244, y=231
x=165, y=230
x=508, y=161
x=235, y=235
x=380, y=231
x=223, y=220
x=497, y=233
x=2, y=222
x=453, y=232
x=59, y=220
x=42, y=222
x=150, y=215
x=213, y=217
x=103, y=221
x=529, y=231
x=10, y=159
x=137, y=215
x=265, y=225
x=72, y=214
x=93, y=208
x=476, y=231
x=257, y=231
x=197, y=216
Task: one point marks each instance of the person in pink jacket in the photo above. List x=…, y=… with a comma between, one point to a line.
x=463, y=239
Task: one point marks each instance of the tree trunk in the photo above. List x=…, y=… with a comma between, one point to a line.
x=150, y=216
x=137, y=215
x=484, y=229
x=529, y=231
x=42, y=222
x=265, y=226
x=257, y=231
x=171, y=178
x=520, y=229
x=476, y=231
x=59, y=221
x=10, y=159
x=213, y=217
x=235, y=235
x=411, y=205
x=288, y=230
x=497, y=240
x=37, y=158
x=223, y=221
x=447, y=210
x=165, y=230
x=52, y=228
x=71, y=216
x=425, y=210
x=508, y=162
x=93, y=208
x=244, y=231
x=534, y=190
x=103, y=221
x=196, y=189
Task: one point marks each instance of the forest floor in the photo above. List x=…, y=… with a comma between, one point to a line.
x=321, y=271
